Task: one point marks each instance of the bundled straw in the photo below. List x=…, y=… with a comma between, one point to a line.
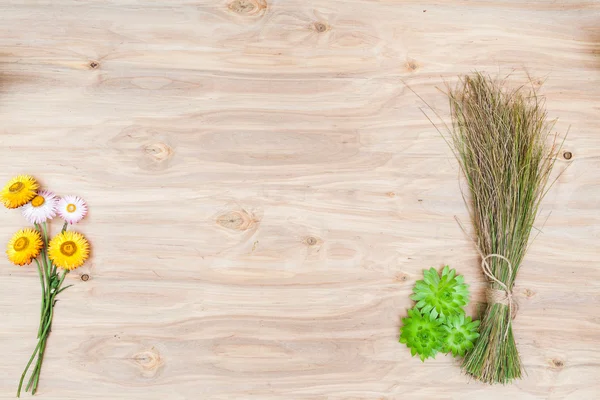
x=501, y=140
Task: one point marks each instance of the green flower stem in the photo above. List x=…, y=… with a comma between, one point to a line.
x=62, y=278
x=39, y=367
x=35, y=351
x=27, y=367
x=41, y=275
x=51, y=271
x=45, y=261
x=35, y=375
x=41, y=346
x=45, y=323
x=44, y=258
x=51, y=283
x=43, y=309
x=46, y=306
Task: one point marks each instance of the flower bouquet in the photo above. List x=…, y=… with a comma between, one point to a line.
x=54, y=257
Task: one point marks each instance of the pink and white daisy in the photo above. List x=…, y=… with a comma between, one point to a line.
x=41, y=208
x=72, y=209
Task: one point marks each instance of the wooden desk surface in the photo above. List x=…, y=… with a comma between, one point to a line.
x=264, y=191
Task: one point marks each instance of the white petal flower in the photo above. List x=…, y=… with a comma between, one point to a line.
x=72, y=209
x=41, y=208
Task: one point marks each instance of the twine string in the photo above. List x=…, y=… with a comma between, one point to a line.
x=502, y=296
x=496, y=296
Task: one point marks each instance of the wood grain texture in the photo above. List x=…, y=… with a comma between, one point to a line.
x=264, y=191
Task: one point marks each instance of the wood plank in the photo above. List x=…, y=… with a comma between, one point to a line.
x=264, y=190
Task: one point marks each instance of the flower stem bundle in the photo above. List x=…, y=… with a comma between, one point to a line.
x=501, y=139
x=66, y=251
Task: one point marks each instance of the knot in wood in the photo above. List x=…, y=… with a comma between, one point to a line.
x=320, y=26
x=237, y=220
x=311, y=241
x=149, y=361
x=158, y=151
x=248, y=7
x=412, y=65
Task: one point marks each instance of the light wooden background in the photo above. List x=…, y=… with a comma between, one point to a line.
x=264, y=191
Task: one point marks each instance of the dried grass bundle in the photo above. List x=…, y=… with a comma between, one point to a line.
x=503, y=142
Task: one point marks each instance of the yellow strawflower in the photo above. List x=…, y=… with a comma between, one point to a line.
x=18, y=191
x=68, y=250
x=24, y=246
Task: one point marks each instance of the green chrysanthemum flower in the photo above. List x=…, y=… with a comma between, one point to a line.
x=461, y=334
x=422, y=334
x=441, y=296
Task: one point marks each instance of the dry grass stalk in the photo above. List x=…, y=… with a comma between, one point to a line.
x=503, y=142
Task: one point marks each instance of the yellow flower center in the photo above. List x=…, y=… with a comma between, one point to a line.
x=21, y=243
x=38, y=201
x=71, y=208
x=16, y=187
x=68, y=248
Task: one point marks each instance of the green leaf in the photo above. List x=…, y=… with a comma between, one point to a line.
x=451, y=274
x=417, y=296
x=427, y=278
x=473, y=325
x=435, y=278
